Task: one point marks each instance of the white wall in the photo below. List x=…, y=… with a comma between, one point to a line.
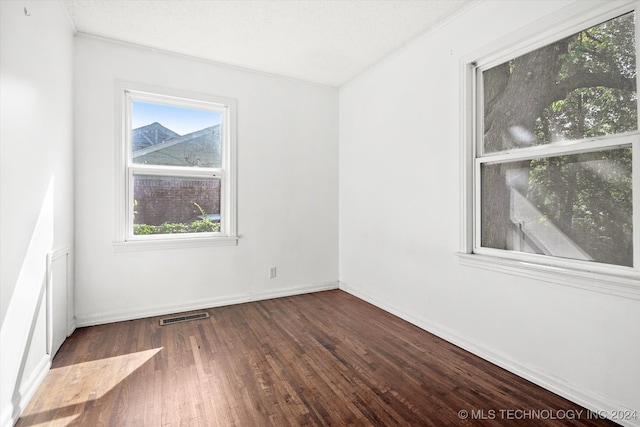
x=400, y=186
x=36, y=187
x=398, y=192
x=287, y=190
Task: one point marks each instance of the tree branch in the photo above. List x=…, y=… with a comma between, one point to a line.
x=584, y=80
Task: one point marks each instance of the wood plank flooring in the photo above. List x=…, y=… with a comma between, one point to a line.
x=322, y=359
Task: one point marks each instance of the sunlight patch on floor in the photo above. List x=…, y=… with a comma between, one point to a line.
x=81, y=385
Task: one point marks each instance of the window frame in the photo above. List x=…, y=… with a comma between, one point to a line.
x=611, y=279
x=125, y=239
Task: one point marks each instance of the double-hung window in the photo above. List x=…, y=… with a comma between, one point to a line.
x=177, y=168
x=552, y=148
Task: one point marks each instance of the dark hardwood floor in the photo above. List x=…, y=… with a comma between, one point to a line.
x=322, y=359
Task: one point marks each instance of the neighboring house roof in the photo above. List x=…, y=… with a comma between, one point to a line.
x=199, y=148
x=152, y=134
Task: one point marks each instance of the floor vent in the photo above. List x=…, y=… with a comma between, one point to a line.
x=177, y=319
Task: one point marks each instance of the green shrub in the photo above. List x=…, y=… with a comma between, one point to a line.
x=204, y=225
x=141, y=229
x=198, y=226
x=173, y=228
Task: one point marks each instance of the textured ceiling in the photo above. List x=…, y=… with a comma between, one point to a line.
x=324, y=42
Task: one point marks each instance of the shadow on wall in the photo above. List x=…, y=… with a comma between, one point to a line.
x=24, y=313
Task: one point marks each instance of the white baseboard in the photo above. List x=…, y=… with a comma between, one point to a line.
x=587, y=399
x=71, y=327
x=122, y=315
x=11, y=414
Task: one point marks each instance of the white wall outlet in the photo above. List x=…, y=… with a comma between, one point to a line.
x=272, y=272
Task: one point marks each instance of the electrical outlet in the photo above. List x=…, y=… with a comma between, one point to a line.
x=272, y=273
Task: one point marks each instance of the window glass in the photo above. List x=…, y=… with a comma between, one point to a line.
x=579, y=87
x=179, y=152
x=571, y=200
x=575, y=206
x=175, y=136
x=168, y=205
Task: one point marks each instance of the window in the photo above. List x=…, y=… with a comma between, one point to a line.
x=552, y=132
x=177, y=173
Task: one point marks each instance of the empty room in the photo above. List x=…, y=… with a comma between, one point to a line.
x=306, y=213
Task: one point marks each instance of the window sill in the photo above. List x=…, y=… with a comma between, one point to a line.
x=623, y=286
x=147, y=245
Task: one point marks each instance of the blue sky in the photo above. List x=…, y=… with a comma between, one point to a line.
x=179, y=119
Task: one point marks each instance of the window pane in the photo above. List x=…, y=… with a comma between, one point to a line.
x=166, y=205
x=175, y=136
x=579, y=87
x=576, y=206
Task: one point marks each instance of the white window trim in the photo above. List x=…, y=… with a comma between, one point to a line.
x=612, y=280
x=124, y=239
